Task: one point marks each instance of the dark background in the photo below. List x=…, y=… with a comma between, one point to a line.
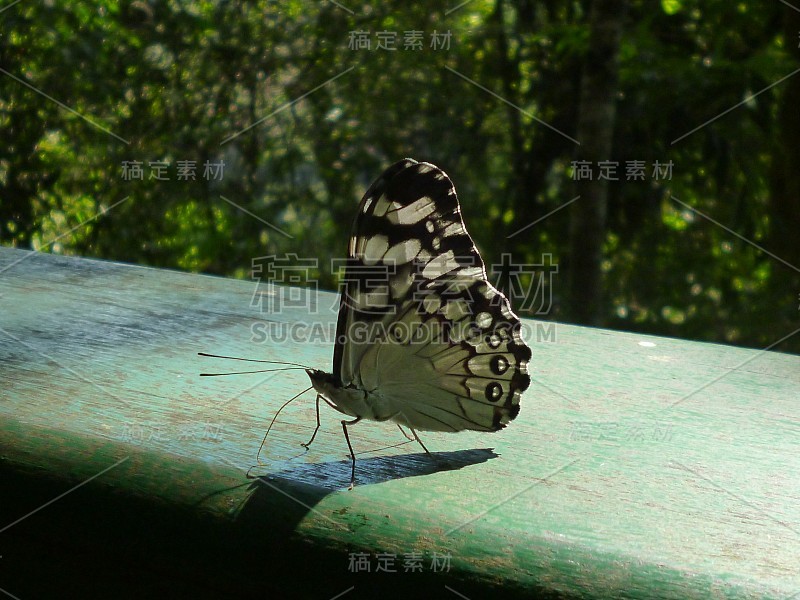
x=709, y=253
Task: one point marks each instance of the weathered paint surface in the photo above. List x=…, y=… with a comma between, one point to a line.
x=638, y=466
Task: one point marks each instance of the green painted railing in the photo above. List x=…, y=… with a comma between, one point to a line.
x=639, y=467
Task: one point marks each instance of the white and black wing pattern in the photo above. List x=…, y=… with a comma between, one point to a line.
x=421, y=332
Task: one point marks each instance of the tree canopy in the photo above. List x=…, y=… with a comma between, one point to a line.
x=305, y=103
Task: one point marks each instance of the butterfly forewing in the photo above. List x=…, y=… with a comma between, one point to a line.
x=419, y=324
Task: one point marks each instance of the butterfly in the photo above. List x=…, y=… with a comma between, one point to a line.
x=422, y=339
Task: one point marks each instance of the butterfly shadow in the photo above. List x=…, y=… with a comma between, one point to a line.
x=295, y=491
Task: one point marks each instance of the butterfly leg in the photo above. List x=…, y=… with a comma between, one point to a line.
x=350, y=447
x=316, y=429
x=416, y=437
x=403, y=431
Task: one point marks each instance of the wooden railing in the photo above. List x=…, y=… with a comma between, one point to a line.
x=639, y=466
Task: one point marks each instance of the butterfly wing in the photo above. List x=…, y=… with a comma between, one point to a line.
x=420, y=327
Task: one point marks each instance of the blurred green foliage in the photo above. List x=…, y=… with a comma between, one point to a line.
x=87, y=85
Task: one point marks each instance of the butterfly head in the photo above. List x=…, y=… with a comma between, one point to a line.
x=323, y=382
x=349, y=399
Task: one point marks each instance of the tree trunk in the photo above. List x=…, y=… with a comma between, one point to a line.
x=595, y=133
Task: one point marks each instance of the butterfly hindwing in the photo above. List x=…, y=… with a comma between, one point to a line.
x=419, y=324
x=450, y=370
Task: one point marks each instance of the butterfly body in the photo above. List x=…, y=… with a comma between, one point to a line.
x=350, y=400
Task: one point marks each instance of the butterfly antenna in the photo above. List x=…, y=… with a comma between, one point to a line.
x=248, y=372
x=271, y=423
x=272, y=362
